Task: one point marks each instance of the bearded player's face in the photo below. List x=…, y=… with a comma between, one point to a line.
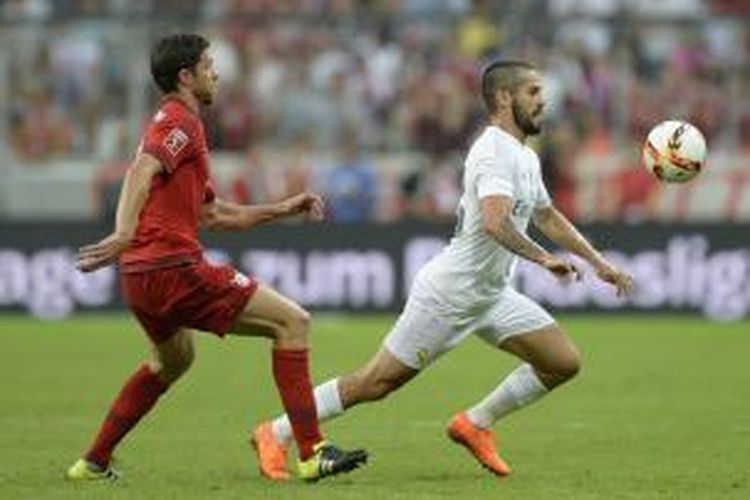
x=528, y=104
x=205, y=79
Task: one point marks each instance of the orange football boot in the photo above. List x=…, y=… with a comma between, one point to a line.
x=480, y=442
x=271, y=453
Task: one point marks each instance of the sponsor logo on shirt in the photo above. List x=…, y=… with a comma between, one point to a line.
x=521, y=209
x=175, y=141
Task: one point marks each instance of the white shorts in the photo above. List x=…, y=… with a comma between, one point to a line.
x=420, y=335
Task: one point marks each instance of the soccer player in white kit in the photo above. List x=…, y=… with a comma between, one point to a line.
x=466, y=288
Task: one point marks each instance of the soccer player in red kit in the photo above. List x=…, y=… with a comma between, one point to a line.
x=171, y=289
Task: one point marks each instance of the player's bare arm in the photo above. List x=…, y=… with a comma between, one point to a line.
x=222, y=215
x=560, y=230
x=496, y=221
x=133, y=195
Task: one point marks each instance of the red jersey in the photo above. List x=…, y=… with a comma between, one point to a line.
x=167, y=233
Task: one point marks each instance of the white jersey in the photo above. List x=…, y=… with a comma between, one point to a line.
x=471, y=272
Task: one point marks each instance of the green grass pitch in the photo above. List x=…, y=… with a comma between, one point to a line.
x=661, y=410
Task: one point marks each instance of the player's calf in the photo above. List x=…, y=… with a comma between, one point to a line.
x=364, y=388
x=553, y=356
x=380, y=377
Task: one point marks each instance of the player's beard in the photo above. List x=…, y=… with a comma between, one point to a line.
x=205, y=97
x=205, y=94
x=524, y=120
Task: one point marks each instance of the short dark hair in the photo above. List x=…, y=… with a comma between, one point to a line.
x=498, y=75
x=172, y=54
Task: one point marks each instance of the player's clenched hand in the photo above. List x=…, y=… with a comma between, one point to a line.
x=561, y=268
x=620, y=280
x=101, y=254
x=310, y=204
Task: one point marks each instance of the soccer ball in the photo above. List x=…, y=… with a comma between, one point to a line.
x=674, y=151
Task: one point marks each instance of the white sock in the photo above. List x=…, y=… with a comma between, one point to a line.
x=328, y=403
x=520, y=388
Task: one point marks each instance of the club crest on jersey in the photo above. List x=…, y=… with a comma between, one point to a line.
x=424, y=358
x=175, y=141
x=521, y=209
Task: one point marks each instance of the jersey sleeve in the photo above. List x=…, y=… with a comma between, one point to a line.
x=172, y=142
x=495, y=177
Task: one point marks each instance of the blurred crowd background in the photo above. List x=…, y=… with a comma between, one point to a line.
x=373, y=103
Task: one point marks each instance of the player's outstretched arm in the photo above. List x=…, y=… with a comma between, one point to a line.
x=222, y=215
x=559, y=229
x=497, y=222
x=133, y=195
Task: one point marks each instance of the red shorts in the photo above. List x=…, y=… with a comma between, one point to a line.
x=200, y=296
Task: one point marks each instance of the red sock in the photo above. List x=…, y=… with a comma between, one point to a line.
x=292, y=375
x=136, y=398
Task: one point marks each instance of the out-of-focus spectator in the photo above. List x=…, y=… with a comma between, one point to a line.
x=558, y=154
x=351, y=186
x=38, y=129
x=296, y=170
x=403, y=73
x=477, y=34
x=432, y=191
x=442, y=114
x=744, y=115
x=731, y=6
x=433, y=8
x=248, y=186
x=299, y=107
x=383, y=68
x=105, y=187
x=630, y=192
x=26, y=10
x=264, y=180
x=235, y=119
x=402, y=78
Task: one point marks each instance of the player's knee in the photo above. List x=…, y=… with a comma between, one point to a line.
x=300, y=322
x=170, y=369
x=292, y=330
x=557, y=371
x=567, y=367
x=296, y=325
